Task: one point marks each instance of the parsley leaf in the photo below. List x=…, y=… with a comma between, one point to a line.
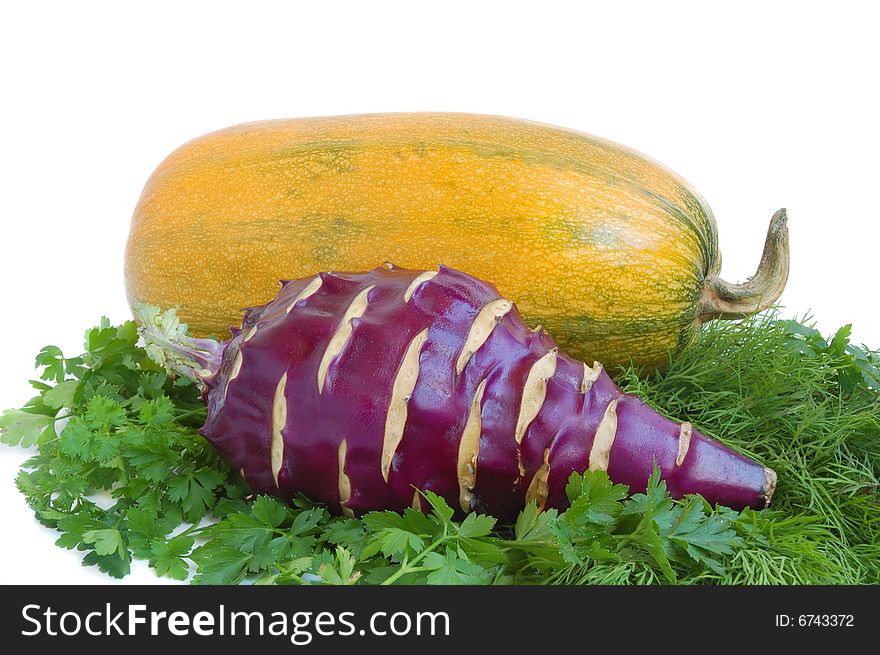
x=19, y=427
x=130, y=431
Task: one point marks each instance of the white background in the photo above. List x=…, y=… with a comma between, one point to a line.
x=759, y=105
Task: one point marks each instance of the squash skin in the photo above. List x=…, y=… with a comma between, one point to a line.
x=602, y=246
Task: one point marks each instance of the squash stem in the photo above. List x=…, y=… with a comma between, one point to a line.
x=726, y=300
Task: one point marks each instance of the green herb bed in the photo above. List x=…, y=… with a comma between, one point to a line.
x=773, y=389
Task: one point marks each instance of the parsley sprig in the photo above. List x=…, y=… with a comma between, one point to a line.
x=121, y=473
x=119, y=466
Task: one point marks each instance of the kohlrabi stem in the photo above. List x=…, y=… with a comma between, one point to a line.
x=167, y=343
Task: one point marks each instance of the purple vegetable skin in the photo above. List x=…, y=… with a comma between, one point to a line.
x=360, y=390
